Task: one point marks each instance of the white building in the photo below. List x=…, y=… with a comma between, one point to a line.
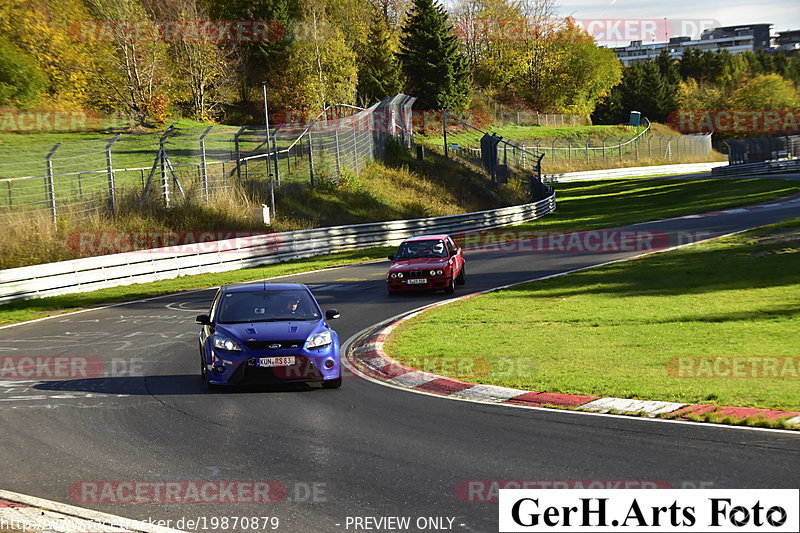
x=734, y=39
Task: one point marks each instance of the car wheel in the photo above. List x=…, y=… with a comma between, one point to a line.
x=451, y=288
x=332, y=383
x=462, y=276
x=391, y=292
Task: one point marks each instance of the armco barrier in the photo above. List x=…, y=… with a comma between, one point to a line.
x=91, y=273
x=751, y=169
x=631, y=172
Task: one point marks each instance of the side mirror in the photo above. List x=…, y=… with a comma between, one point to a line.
x=203, y=320
x=331, y=314
x=391, y=258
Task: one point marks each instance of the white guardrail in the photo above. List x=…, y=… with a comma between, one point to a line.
x=754, y=169
x=92, y=273
x=631, y=172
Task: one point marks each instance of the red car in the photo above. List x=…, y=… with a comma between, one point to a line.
x=426, y=262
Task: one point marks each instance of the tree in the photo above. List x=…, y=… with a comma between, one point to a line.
x=20, y=81
x=436, y=71
x=379, y=70
x=766, y=92
x=320, y=68
x=204, y=67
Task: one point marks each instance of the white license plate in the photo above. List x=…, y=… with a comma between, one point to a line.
x=418, y=281
x=275, y=361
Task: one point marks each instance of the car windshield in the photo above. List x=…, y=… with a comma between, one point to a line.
x=421, y=249
x=266, y=306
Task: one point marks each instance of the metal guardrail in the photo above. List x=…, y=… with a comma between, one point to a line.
x=751, y=169
x=92, y=273
x=631, y=172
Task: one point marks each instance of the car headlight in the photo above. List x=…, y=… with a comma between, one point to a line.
x=318, y=340
x=399, y=274
x=223, y=343
x=440, y=272
x=433, y=272
x=392, y=275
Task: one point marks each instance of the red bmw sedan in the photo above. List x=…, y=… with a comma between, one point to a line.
x=426, y=262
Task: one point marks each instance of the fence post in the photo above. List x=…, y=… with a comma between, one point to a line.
x=238, y=156
x=621, y=140
x=444, y=132
x=80, y=185
x=277, y=170
x=10, y=195
x=636, y=142
x=587, y=151
x=604, y=149
x=336, y=153
x=50, y=184
x=569, y=149
x=112, y=195
x=311, y=160
x=649, y=147
x=203, y=165
x=355, y=151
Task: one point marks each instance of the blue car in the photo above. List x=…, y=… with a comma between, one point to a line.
x=268, y=333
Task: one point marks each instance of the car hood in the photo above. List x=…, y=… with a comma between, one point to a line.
x=267, y=331
x=418, y=264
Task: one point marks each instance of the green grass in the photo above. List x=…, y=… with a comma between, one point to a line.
x=612, y=331
x=580, y=206
x=612, y=203
x=22, y=310
x=546, y=132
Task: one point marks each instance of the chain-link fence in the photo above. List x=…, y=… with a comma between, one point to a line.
x=499, y=158
x=764, y=148
x=639, y=145
x=533, y=118
x=79, y=178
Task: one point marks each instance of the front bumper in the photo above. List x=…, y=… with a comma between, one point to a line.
x=242, y=368
x=439, y=282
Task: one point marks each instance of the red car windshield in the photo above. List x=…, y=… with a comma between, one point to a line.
x=420, y=250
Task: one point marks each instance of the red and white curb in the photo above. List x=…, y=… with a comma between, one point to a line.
x=369, y=358
x=31, y=514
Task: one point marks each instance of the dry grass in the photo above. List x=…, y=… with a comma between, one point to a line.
x=403, y=188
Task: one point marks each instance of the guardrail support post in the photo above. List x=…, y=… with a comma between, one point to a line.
x=50, y=184
x=112, y=193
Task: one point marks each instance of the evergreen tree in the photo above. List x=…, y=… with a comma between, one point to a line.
x=379, y=70
x=437, y=72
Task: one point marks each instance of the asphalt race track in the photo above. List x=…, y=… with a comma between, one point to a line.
x=363, y=450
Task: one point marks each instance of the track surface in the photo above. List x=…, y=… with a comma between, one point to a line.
x=370, y=450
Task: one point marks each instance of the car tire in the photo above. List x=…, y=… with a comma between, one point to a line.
x=462, y=276
x=332, y=383
x=390, y=292
x=451, y=288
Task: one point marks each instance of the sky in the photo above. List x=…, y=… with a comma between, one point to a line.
x=683, y=17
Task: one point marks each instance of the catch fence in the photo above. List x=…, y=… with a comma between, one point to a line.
x=86, y=177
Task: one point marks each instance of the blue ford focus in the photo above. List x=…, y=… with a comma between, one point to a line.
x=268, y=333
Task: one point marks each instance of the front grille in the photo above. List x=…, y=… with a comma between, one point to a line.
x=417, y=274
x=271, y=345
